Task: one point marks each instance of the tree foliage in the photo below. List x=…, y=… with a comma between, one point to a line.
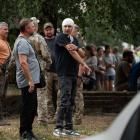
x=100, y=20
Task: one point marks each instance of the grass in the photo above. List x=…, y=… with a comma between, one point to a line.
x=93, y=123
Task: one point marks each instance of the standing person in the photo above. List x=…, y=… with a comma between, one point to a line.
x=110, y=63
x=52, y=78
x=5, y=53
x=67, y=58
x=27, y=76
x=91, y=61
x=40, y=46
x=79, y=98
x=117, y=55
x=123, y=71
x=100, y=73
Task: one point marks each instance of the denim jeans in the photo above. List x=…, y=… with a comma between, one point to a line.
x=28, y=109
x=67, y=97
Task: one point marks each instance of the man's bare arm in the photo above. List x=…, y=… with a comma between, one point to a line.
x=72, y=47
x=77, y=57
x=26, y=71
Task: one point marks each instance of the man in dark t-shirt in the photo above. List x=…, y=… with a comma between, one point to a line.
x=52, y=78
x=123, y=71
x=67, y=56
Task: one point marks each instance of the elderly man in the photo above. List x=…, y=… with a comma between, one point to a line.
x=5, y=53
x=79, y=99
x=67, y=54
x=40, y=46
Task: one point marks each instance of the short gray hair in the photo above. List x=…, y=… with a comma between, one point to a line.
x=3, y=24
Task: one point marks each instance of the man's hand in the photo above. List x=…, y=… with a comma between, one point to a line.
x=71, y=47
x=31, y=86
x=86, y=69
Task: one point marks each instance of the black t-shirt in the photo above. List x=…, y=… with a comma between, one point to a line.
x=50, y=44
x=66, y=65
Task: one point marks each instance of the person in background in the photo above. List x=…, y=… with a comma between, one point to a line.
x=91, y=60
x=41, y=50
x=110, y=63
x=117, y=55
x=137, y=55
x=123, y=71
x=5, y=54
x=101, y=69
x=67, y=56
x=27, y=76
x=134, y=77
x=79, y=99
x=52, y=78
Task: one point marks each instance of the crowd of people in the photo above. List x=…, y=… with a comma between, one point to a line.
x=69, y=68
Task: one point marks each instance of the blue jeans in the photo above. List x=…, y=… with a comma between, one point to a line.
x=67, y=99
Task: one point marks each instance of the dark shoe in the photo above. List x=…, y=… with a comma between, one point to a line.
x=32, y=135
x=23, y=136
x=71, y=133
x=28, y=135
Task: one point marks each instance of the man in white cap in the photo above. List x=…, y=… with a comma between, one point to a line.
x=41, y=49
x=68, y=57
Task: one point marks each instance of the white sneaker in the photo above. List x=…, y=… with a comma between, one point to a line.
x=58, y=133
x=71, y=133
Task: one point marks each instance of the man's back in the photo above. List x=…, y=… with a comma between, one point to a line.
x=122, y=73
x=40, y=46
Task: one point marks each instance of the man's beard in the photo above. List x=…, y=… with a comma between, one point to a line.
x=49, y=35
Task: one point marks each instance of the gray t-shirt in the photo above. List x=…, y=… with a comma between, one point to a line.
x=22, y=46
x=92, y=63
x=110, y=59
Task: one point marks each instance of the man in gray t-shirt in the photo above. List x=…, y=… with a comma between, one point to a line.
x=27, y=75
x=23, y=47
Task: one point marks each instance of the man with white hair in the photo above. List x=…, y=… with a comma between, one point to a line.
x=5, y=50
x=40, y=46
x=5, y=53
x=68, y=58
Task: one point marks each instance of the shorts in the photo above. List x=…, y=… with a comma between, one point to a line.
x=110, y=77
